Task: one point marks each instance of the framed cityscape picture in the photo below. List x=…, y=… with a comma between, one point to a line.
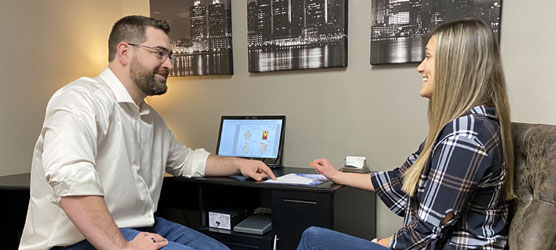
x=201, y=34
x=399, y=27
x=296, y=34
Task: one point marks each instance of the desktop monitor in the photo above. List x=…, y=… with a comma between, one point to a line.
x=253, y=137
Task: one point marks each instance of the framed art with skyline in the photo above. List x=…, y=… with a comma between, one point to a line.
x=399, y=27
x=296, y=34
x=201, y=35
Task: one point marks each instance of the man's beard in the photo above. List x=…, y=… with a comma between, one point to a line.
x=145, y=78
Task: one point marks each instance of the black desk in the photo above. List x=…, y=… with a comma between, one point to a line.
x=294, y=207
x=14, y=190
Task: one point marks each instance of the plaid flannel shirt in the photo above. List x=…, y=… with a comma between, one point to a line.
x=464, y=175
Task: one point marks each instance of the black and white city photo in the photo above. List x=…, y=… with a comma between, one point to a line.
x=296, y=34
x=201, y=34
x=399, y=27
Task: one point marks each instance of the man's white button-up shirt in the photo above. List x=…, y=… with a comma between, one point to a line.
x=96, y=141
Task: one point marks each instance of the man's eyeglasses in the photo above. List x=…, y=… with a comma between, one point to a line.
x=161, y=53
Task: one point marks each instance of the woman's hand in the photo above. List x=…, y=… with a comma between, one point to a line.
x=324, y=167
x=384, y=241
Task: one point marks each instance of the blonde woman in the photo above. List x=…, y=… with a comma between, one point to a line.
x=453, y=191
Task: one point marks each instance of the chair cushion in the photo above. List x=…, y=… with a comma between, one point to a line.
x=533, y=224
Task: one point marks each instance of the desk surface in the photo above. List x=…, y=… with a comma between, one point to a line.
x=15, y=182
x=326, y=187
x=22, y=181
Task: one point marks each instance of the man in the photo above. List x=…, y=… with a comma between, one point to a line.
x=100, y=159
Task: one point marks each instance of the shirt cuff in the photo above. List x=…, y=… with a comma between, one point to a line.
x=375, y=183
x=195, y=166
x=74, y=180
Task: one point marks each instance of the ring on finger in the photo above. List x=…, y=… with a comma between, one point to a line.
x=154, y=241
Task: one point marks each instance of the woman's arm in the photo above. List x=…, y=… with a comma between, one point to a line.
x=361, y=181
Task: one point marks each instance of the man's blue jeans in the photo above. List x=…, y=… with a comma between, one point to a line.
x=317, y=238
x=178, y=236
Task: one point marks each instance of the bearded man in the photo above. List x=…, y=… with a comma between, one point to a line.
x=99, y=162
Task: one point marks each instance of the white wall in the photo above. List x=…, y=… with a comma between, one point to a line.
x=529, y=52
x=44, y=45
x=361, y=110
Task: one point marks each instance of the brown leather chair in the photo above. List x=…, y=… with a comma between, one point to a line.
x=533, y=226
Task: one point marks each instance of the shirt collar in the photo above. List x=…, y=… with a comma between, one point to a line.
x=120, y=92
x=116, y=86
x=483, y=110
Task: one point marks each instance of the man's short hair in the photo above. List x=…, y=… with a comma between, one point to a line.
x=132, y=29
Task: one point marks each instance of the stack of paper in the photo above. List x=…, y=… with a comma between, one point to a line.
x=299, y=179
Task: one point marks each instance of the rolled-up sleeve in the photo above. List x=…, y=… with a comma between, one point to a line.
x=388, y=185
x=70, y=143
x=457, y=165
x=183, y=161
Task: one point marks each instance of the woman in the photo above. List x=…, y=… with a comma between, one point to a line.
x=453, y=191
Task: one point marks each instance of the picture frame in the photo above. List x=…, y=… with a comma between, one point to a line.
x=399, y=28
x=201, y=35
x=296, y=34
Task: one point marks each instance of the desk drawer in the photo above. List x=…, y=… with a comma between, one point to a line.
x=295, y=211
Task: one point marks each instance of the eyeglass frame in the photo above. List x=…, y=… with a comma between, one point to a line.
x=161, y=53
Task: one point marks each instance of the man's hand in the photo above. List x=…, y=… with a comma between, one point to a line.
x=226, y=166
x=255, y=169
x=147, y=241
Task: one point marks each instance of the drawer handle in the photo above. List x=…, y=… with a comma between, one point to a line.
x=302, y=202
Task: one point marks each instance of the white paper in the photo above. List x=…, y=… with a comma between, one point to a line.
x=302, y=179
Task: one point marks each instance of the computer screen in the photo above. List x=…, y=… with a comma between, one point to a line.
x=258, y=137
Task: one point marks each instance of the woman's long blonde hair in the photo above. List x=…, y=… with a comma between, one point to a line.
x=468, y=72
